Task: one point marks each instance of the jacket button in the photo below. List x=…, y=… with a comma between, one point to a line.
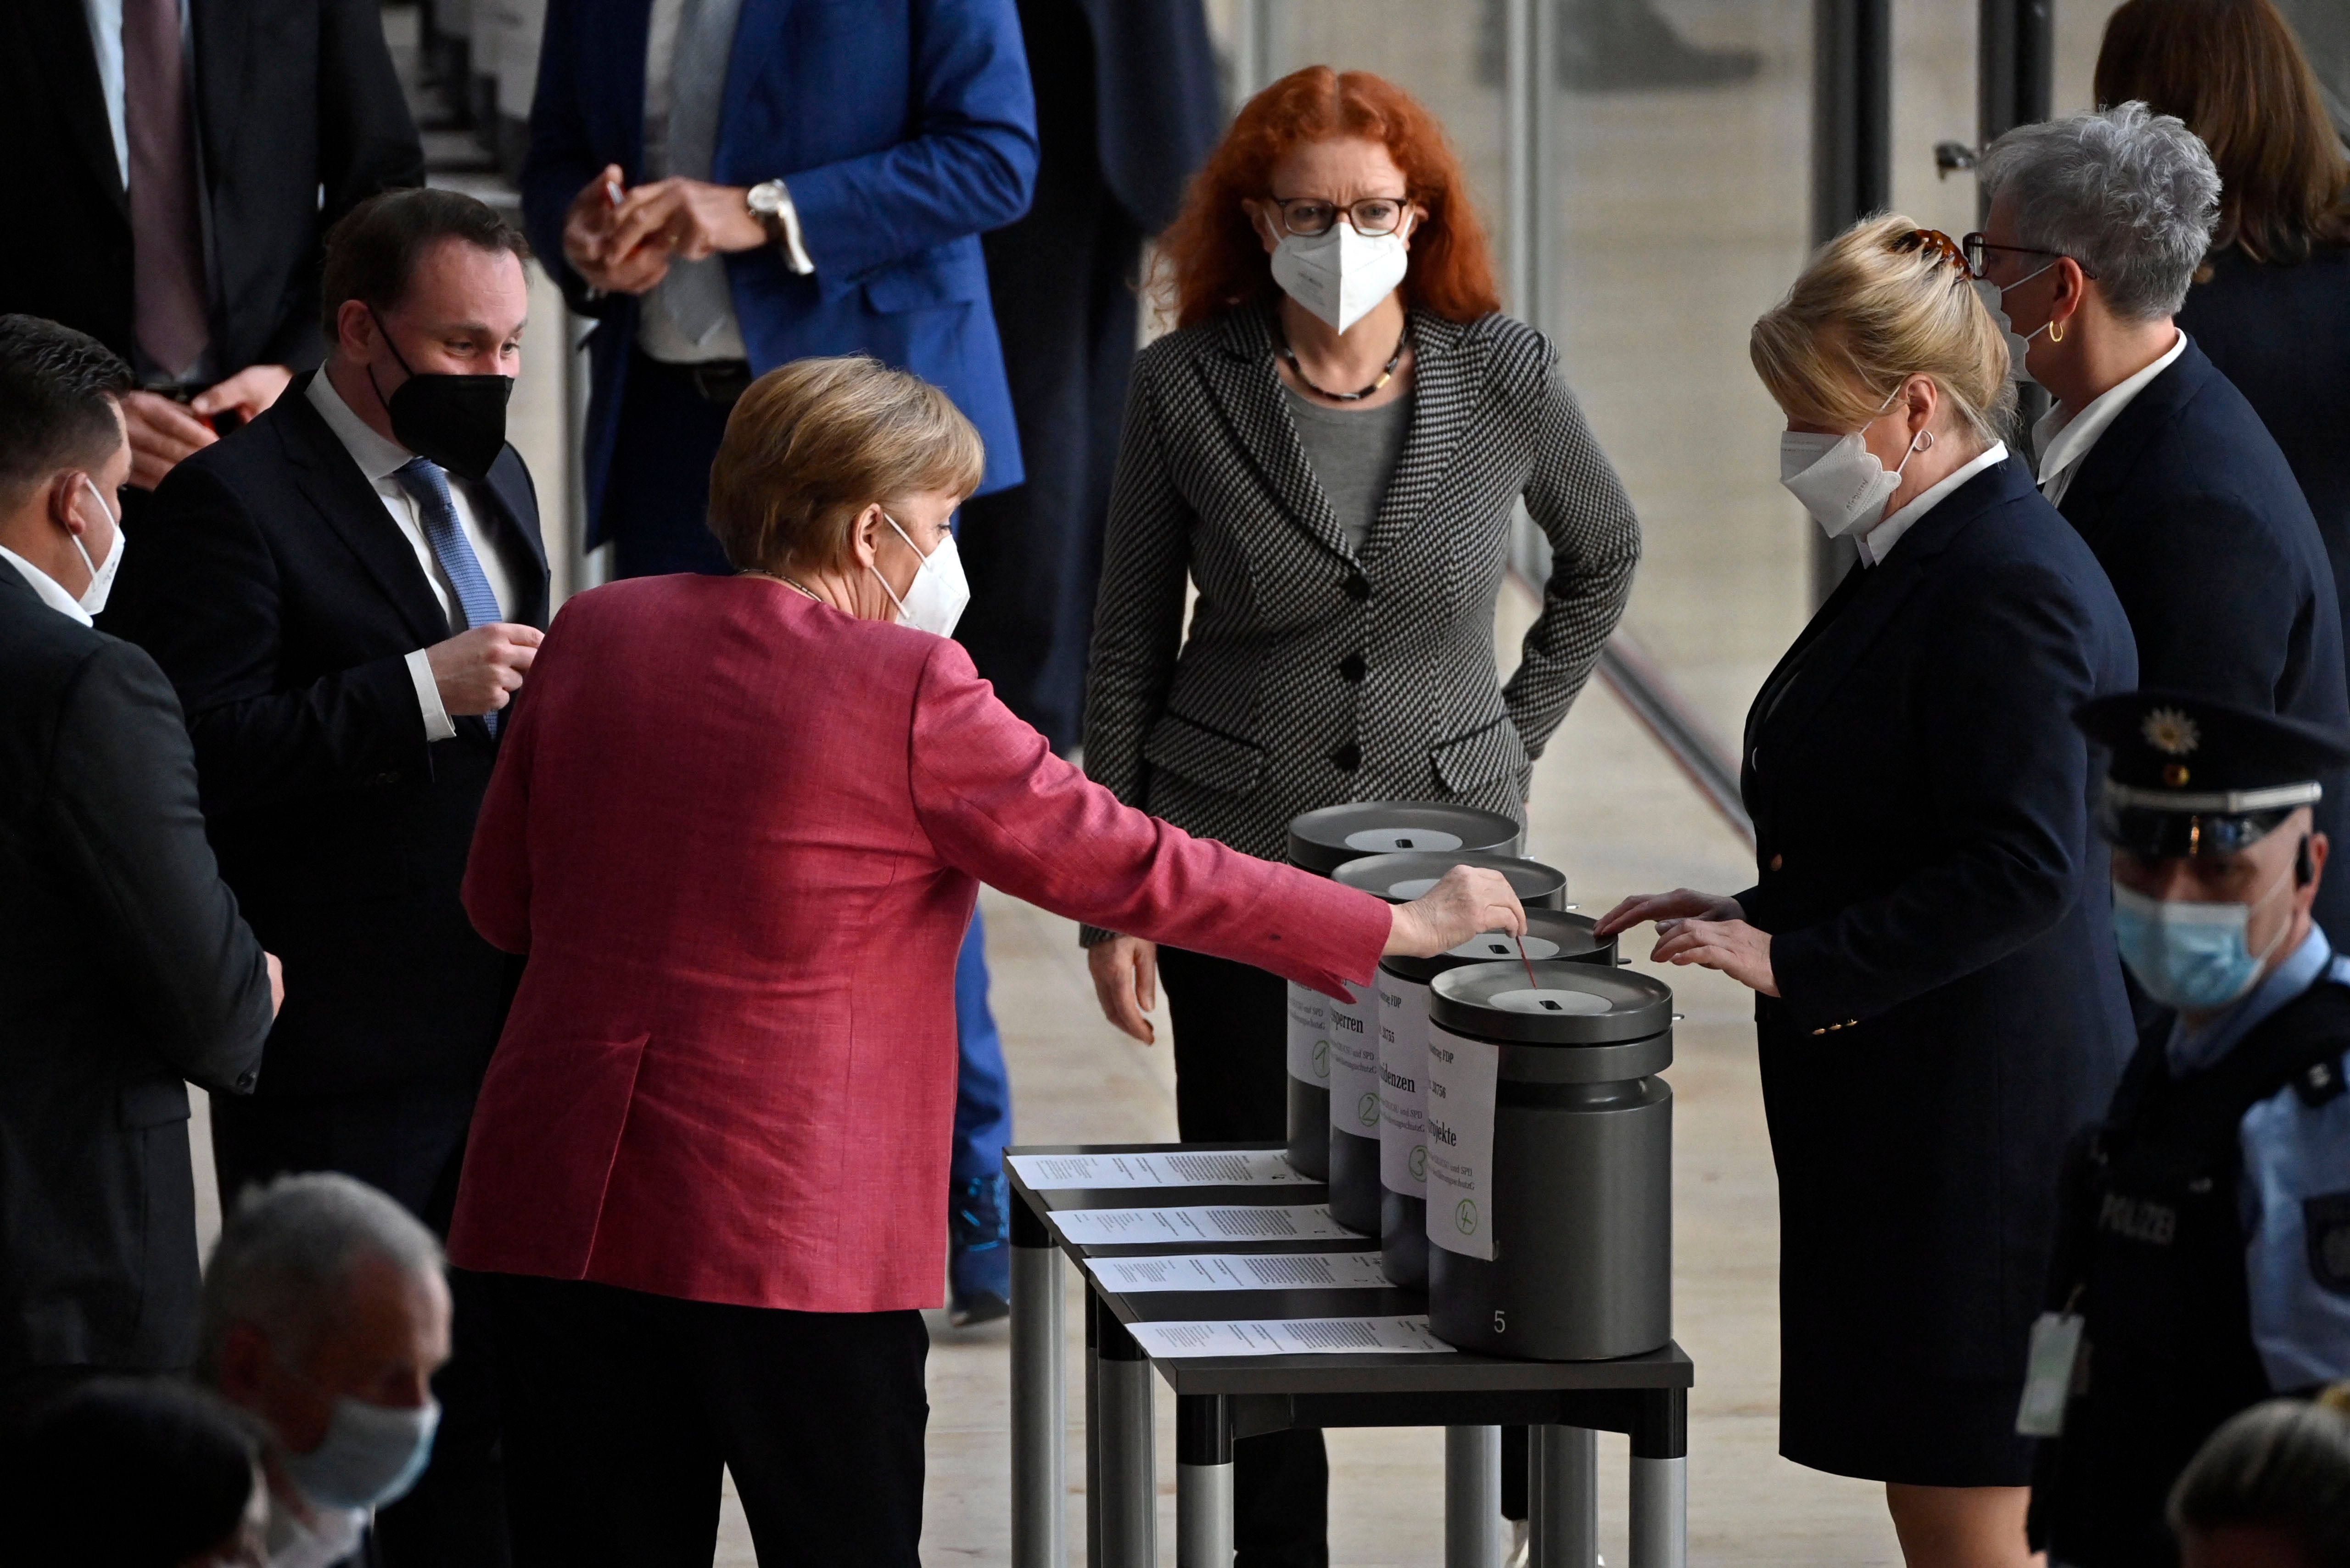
x=1777, y=861
x=1348, y=757
x=1358, y=588
x=1353, y=668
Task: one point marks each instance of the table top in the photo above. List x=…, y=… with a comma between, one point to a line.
x=1377, y=1373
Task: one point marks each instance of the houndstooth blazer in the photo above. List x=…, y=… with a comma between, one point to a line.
x=1312, y=675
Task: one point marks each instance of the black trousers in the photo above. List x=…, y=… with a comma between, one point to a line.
x=657, y=497
x=408, y=1142
x=1062, y=280
x=1232, y=1067
x=622, y=1409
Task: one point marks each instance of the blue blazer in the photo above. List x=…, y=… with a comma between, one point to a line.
x=1951, y=1007
x=904, y=127
x=2198, y=519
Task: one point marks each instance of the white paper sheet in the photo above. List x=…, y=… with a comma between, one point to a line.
x=1403, y=1085
x=1355, y=1063
x=1309, y=1035
x=1192, y=1167
x=1234, y=1272
x=1237, y=1222
x=1462, y=1077
x=1288, y=1336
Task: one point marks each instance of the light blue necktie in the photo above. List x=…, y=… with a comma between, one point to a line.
x=429, y=483
x=694, y=293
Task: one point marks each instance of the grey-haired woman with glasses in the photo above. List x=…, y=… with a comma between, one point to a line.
x=1330, y=447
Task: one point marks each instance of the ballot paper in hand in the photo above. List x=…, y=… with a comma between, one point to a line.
x=1207, y=1223
x=1233, y=1272
x=1160, y=1168
x=1288, y=1336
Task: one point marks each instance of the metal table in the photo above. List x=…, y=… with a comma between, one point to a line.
x=1218, y=1400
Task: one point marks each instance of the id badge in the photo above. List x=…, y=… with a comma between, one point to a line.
x=2048, y=1375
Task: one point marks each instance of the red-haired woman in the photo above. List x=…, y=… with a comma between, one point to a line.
x=1330, y=445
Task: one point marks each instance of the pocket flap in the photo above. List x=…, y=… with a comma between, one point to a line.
x=154, y=1103
x=1202, y=755
x=924, y=284
x=1479, y=756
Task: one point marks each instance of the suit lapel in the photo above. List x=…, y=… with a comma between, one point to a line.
x=220, y=28
x=2106, y=467
x=333, y=485
x=626, y=26
x=758, y=34
x=1441, y=404
x=1241, y=379
x=59, y=31
x=507, y=491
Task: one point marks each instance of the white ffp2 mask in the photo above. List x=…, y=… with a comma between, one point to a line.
x=937, y=596
x=2019, y=344
x=1338, y=275
x=1838, y=480
x=101, y=573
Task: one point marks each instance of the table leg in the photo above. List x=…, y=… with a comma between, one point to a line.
x=1039, y=1398
x=1128, y=1534
x=1203, y=1481
x=1564, y=1498
x=1473, y=1497
x=1660, y=1480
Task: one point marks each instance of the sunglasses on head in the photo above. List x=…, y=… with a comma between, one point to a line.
x=1935, y=244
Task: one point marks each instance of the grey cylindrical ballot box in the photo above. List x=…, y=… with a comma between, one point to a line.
x=1320, y=841
x=1354, y=1055
x=1551, y=934
x=1550, y=1144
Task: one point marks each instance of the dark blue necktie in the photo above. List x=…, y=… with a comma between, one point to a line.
x=429, y=483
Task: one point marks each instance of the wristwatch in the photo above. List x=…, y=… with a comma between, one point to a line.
x=771, y=203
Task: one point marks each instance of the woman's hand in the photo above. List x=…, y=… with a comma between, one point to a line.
x=1467, y=900
x=1126, y=981
x=1738, y=950
x=1680, y=904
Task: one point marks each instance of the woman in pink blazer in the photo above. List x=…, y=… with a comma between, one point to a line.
x=738, y=827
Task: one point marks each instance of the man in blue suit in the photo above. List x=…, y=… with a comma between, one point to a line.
x=727, y=185
x=2097, y=223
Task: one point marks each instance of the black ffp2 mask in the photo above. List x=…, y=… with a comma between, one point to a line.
x=458, y=421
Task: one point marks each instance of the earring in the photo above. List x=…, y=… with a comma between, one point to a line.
x=2055, y=332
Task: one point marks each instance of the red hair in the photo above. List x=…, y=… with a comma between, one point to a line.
x=1210, y=258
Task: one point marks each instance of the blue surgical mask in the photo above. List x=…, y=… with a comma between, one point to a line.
x=372, y=1454
x=2195, y=957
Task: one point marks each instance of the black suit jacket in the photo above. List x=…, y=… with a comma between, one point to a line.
x=1951, y=1007
x=280, y=597
x=299, y=118
x=2197, y=518
x=123, y=970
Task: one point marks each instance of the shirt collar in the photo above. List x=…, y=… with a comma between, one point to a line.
x=53, y=593
x=2192, y=1050
x=2062, y=440
x=1878, y=542
x=378, y=459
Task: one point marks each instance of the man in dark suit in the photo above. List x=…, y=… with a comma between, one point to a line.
x=124, y=967
x=1127, y=108
x=2148, y=452
x=346, y=595
x=730, y=184
x=182, y=179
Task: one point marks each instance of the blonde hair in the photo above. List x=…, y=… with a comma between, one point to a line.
x=1863, y=317
x=813, y=443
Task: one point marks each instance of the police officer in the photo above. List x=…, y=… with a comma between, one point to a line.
x=2203, y=1258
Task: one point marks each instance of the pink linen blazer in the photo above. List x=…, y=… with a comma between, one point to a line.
x=739, y=835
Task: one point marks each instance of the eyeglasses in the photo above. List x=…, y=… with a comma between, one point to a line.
x=1306, y=216
x=1938, y=244
x=1978, y=249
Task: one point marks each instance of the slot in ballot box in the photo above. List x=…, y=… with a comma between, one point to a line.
x=1218, y=1267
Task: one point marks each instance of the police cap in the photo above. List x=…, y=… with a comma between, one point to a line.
x=2191, y=775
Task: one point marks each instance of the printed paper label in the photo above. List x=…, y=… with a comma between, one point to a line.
x=1309, y=1035
x=1288, y=1336
x=1355, y=1063
x=1403, y=1085
x=1462, y=1075
x=1160, y=1168
x=1240, y=1271
x=1235, y=1222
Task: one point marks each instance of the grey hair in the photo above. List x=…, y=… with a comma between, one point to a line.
x=2131, y=195
x=2283, y=1464
x=284, y=1256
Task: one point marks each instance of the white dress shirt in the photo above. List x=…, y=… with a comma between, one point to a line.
x=379, y=459
x=2064, y=439
x=659, y=335
x=1878, y=542
x=53, y=592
